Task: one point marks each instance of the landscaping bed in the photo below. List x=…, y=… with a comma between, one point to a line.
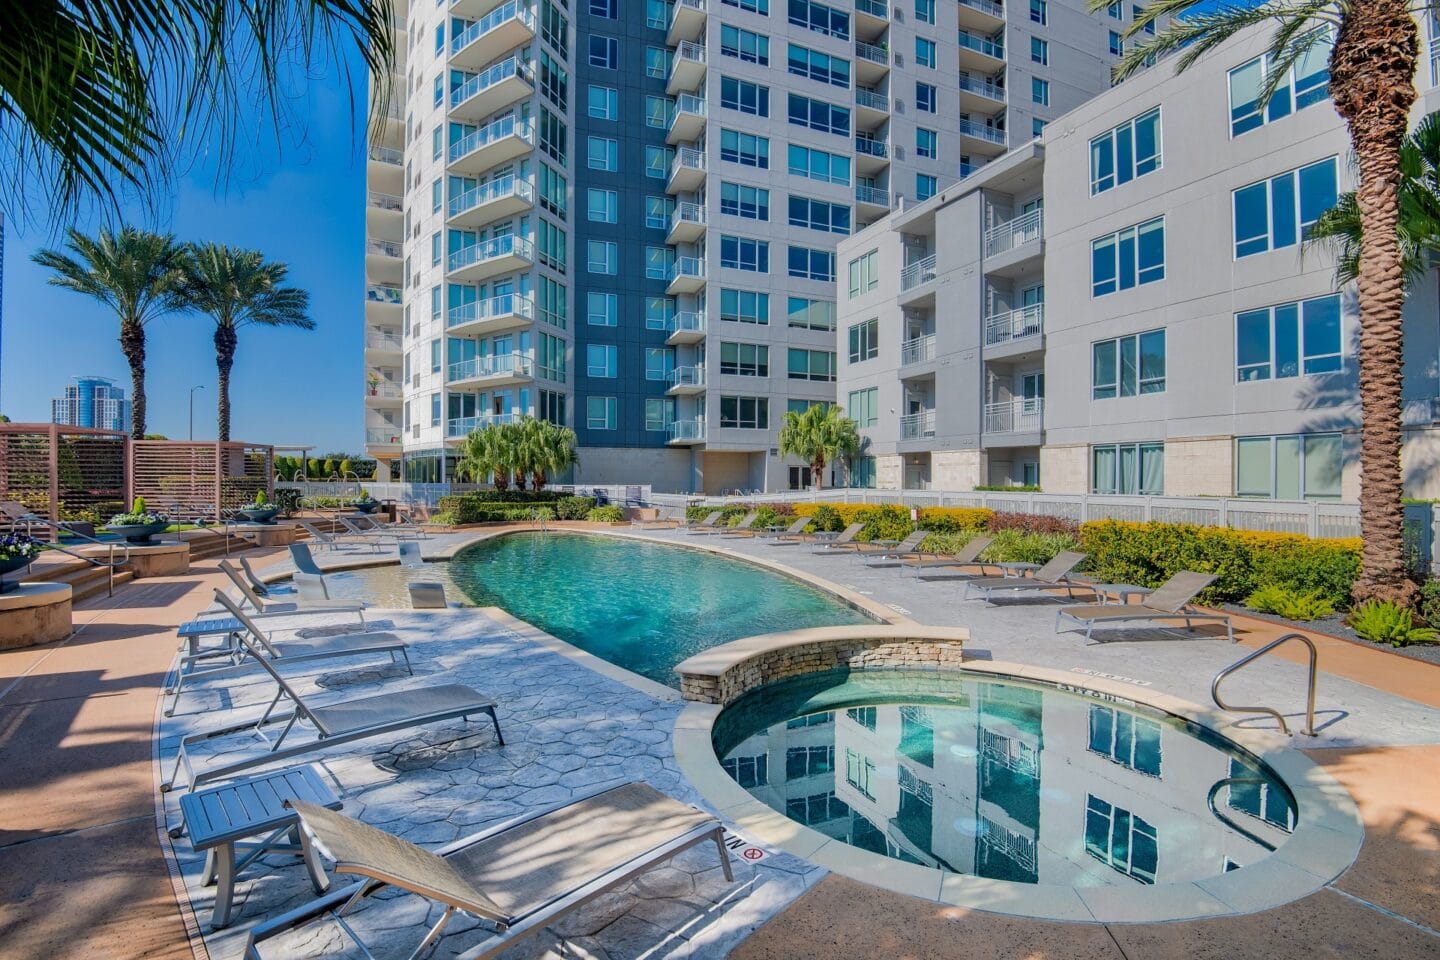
x=1335, y=626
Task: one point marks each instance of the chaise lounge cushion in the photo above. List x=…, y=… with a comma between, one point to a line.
x=384, y=708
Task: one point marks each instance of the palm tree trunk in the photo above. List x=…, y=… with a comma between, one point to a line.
x=225, y=343
x=1372, y=85
x=817, y=472
x=132, y=344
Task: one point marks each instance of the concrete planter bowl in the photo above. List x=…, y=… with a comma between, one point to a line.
x=138, y=532
x=10, y=566
x=366, y=506
x=265, y=514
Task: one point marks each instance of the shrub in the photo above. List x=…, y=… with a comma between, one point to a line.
x=826, y=519
x=1383, y=621
x=574, y=508
x=606, y=515
x=1017, y=546
x=1001, y=488
x=729, y=516
x=463, y=508
x=1430, y=602
x=887, y=522
x=938, y=542
x=1033, y=523
x=954, y=519
x=443, y=518
x=1273, y=598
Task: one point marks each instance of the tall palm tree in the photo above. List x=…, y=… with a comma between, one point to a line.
x=106, y=97
x=821, y=434
x=1373, y=54
x=485, y=453
x=545, y=450
x=137, y=274
x=239, y=288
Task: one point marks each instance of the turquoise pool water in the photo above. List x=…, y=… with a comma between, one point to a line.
x=1004, y=779
x=642, y=606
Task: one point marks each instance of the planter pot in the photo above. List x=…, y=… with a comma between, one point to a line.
x=138, y=532
x=260, y=514
x=366, y=506
x=10, y=566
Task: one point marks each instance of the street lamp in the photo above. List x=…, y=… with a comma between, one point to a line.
x=192, y=408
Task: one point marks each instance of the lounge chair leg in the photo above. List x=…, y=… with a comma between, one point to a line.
x=433, y=935
x=719, y=837
x=224, y=885
x=496, y=721
x=408, y=666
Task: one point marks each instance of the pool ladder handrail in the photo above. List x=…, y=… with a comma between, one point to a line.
x=537, y=519
x=1246, y=660
x=1231, y=822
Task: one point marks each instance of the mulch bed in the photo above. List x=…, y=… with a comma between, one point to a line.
x=1334, y=626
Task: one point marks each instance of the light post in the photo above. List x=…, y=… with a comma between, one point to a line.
x=192, y=408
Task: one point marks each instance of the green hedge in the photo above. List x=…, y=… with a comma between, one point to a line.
x=466, y=508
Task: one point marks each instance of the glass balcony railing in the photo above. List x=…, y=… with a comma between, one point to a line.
x=686, y=321
x=871, y=147
x=385, y=201
x=686, y=267
x=513, y=10
x=688, y=429
x=873, y=99
x=383, y=248
x=509, y=305
x=510, y=126
x=486, y=79
x=991, y=47
x=382, y=436
x=378, y=293
x=875, y=196
x=693, y=376
x=492, y=249
x=491, y=191
x=387, y=155
x=503, y=365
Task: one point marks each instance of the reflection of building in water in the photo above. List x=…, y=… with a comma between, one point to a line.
x=1117, y=798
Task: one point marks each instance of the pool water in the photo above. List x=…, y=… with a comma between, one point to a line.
x=642, y=606
x=1003, y=779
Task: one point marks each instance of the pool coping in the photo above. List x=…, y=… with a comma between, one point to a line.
x=1325, y=842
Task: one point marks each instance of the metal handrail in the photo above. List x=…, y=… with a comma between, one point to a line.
x=1230, y=822
x=1309, y=730
x=110, y=546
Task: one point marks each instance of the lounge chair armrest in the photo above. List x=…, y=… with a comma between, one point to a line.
x=300, y=916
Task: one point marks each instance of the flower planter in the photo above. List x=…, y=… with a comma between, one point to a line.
x=265, y=515
x=366, y=506
x=10, y=566
x=138, y=532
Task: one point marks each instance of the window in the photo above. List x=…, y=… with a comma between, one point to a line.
x=554, y=28
x=439, y=96
x=808, y=263
x=552, y=407
x=1121, y=840
x=864, y=273
x=604, y=52
x=744, y=306
x=744, y=96
x=1129, y=740
x=601, y=153
x=435, y=349
x=820, y=18
x=819, y=215
x=550, y=240
x=859, y=771
x=1128, y=468
x=1037, y=126
x=863, y=406
x=1288, y=340
x=925, y=97
x=748, y=771
x=552, y=190
x=604, y=102
x=659, y=311
x=552, y=302
x=1128, y=258
x=745, y=149
x=602, y=360
x=554, y=81
x=925, y=11
x=926, y=143
x=761, y=7
x=1039, y=51
x=865, y=340
x=1117, y=44
x=924, y=186
x=658, y=111
x=804, y=62
x=1264, y=800
x=819, y=165
x=440, y=38
x=1278, y=213
x=550, y=358
x=601, y=309
x=600, y=413
x=809, y=761
x=745, y=359
x=1116, y=9
x=435, y=249
x=743, y=253
x=745, y=413
x=744, y=45
x=739, y=200
x=1305, y=83
x=657, y=63
x=657, y=161
x=811, y=365
x=604, y=8
x=602, y=206
x=1039, y=13
x=1129, y=151
x=1291, y=467
x=602, y=256
x=658, y=261
x=659, y=414
x=1137, y=13
x=805, y=314
x=659, y=361
x=1127, y=366
x=553, y=135
x=1040, y=91
x=657, y=14
x=862, y=472
x=658, y=211
x=819, y=115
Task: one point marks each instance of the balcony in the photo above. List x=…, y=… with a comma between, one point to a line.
x=980, y=93
x=686, y=381
x=685, y=327
x=385, y=202
x=386, y=393
x=917, y=426
x=985, y=54
x=876, y=199
x=687, y=223
x=687, y=275
x=389, y=156
x=461, y=427
x=495, y=315
x=872, y=62
x=917, y=273
x=872, y=107
x=495, y=371
x=488, y=92
x=687, y=22
x=380, y=254
x=687, y=68
x=687, y=171
x=382, y=438
x=1024, y=416
x=490, y=258
x=981, y=14
x=918, y=350
x=383, y=346
x=498, y=199
x=501, y=30
x=1015, y=325
x=472, y=9
x=989, y=138
x=382, y=302
x=872, y=155
x=495, y=143
x=689, y=120
x=687, y=431
x=1012, y=234
x=872, y=15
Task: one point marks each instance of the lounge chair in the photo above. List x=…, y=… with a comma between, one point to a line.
x=1170, y=601
x=342, y=722
x=842, y=544
x=717, y=530
x=790, y=534
x=289, y=651
x=303, y=559
x=296, y=608
x=704, y=526
x=406, y=519
x=375, y=529
x=427, y=595
x=745, y=528
x=517, y=877
x=410, y=555
x=329, y=539
x=1051, y=576
x=966, y=556
x=890, y=553
x=259, y=586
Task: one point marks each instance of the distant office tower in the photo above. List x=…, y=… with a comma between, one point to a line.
x=92, y=402
x=2, y=313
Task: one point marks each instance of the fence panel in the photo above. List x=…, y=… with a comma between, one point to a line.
x=63, y=472
x=198, y=478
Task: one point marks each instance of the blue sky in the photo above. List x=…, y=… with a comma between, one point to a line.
x=302, y=204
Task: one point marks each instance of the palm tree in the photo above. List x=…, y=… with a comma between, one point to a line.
x=238, y=288
x=1374, y=49
x=483, y=454
x=137, y=274
x=820, y=435
x=107, y=97
x=545, y=450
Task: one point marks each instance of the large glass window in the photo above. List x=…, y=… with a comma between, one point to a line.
x=1306, y=82
x=745, y=149
x=1128, y=258
x=820, y=18
x=1120, y=839
x=658, y=160
x=1130, y=150
x=601, y=309
x=1279, y=212
x=604, y=52
x=925, y=55
x=1293, y=467
x=744, y=359
x=603, y=102
x=1125, y=738
x=602, y=360
x=601, y=413
x=819, y=115
x=658, y=261
x=865, y=340
x=659, y=311
x=744, y=253
x=602, y=256
x=602, y=153
x=745, y=413
x=1127, y=366
x=925, y=97
x=761, y=7
x=658, y=211
x=807, y=263
x=744, y=96
x=741, y=200
x=659, y=414
x=863, y=406
x=811, y=365
x=819, y=215
x=659, y=361
x=744, y=45
x=807, y=314
x=1288, y=340
x=601, y=206
x=864, y=273
x=744, y=306
x=819, y=165
x=1128, y=468
x=814, y=65
x=659, y=111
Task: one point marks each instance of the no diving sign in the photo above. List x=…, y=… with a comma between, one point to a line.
x=743, y=848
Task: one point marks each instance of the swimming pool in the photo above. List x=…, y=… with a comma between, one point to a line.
x=640, y=605
x=1003, y=779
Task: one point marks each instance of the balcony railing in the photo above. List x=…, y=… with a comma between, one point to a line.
x=692, y=4
x=875, y=196
x=1014, y=233
x=383, y=248
x=499, y=73
x=972, y=128
x=495, y=247
x=688, y=103
x=1025, y=415
x=914, y=426
x=687, y=157
x=490, y=191
x=376, y=437
x=686, y=267
x=386, y=342
x=873, y=99
x=917, y=350
x=688, y=50
x=983, y=87
x=1015, y=324
x=385, y=201
x=503, y=365
x=686, y=320
x=990, y=47
x=921, y=271
x=687, y=212
x=511, y=304
x=386, y=389
x=872, y=52
x=985, y=6
x=376, y=293
x=513, y=10
x=688, y=429
x=387, y=155
x=875, y=8
x=871, y=147
x=492, y=132
x=693, y=376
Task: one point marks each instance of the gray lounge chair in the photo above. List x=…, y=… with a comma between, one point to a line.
x=368, y=527
x=704, y=526
x=517, y=877
x=891, y=551
x=331, y=540
x=427, y=595
x=745, y=528
x=842, y=544
x=966, y=556
x=789, y=535
x=263, y=644
x=303, y=559
x=258, y=585
x=342, y=722
x=1051, y=576
x=717, y=530
x=410, y=555
x=1169, y=602
x=296, y=608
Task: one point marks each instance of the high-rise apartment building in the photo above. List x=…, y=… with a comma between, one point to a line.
x=622, y=215
x=92, y=402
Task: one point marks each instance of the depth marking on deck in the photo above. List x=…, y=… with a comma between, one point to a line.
x=898, y=609
x=1110, y=676
x=743, y=848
